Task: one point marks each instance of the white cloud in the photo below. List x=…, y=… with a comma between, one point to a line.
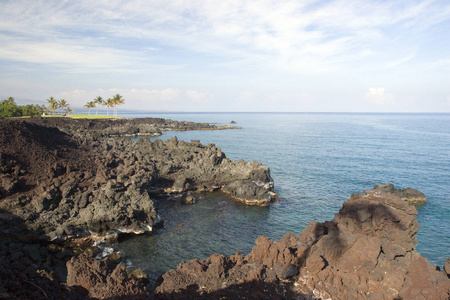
x=84, y=58
x=400, y=61
x=379, y=96
x=207, y=51
x=169, y=99
x=302, y=36
x=199, y=97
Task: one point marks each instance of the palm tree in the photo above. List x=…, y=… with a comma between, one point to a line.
x=69, y=111
x=98, y=101
x=108, y=103
x=52, y=104
x=117, y=100
x=90, y=105
x=9, y=101
x=63, y=103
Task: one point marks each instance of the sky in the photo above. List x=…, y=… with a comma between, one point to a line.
x=229, y=56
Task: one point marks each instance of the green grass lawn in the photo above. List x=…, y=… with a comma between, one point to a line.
x=82, y=116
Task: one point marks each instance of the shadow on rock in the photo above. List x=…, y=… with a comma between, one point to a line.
x=29, y=270
x=247, y=290
x=366, y=252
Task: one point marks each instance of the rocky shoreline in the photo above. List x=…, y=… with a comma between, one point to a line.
x=366, y=252
x=124, y=127
x=66, y=183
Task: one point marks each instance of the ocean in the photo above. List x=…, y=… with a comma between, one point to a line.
x=317, y=161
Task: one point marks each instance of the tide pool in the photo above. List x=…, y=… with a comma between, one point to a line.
x=317, y=161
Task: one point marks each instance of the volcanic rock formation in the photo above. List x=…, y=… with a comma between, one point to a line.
x=67, y=186
x=124, y=127
x=366, y=252
x=61, y=183
x=410, y=195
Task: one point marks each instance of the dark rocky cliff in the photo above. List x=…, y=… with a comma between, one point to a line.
x=67, y=186
x=59, y=184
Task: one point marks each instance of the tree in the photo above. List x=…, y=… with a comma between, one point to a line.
x=63, y=104
x=90, y=105
x=98, y=101
x=9, y=101
x=117, y=100
x=7, y=111
x=108, y=103
x=52, y=104
x=69, y=111
x=32, y=110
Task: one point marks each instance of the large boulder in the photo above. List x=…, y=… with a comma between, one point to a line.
x=250, y=192
x=366, y=252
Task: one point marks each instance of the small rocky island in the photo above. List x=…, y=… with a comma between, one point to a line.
x=66, y=183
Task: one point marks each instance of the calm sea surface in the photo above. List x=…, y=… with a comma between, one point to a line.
x=317, y=161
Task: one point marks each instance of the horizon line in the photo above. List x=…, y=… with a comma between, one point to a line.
x=276, y=112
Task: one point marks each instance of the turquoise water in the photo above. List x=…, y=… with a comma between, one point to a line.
x=317, y=161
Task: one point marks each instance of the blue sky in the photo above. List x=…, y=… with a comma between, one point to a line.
x=331, y=56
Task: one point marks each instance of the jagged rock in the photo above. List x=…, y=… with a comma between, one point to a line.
x=447, y=267
x=72, y=184
x=8, y=184
x=271, y=253
x=216, y=273
x=250, y=192
x=410, y=195
x=179, y=185
x=366, y=252
x=284, y=271
x=368, y=249
x=102, y=278
x=123, y=127
x=77, y=184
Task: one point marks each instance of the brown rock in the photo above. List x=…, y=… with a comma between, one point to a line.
x=80, y=182
x=100, y=278
x=447, y=267
x=368, y=249
x=179, y=185
x=423, y=281
x=366, y=252
x=409, y=195
x=270, y=252
x=315, y=263
x=284, y=271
